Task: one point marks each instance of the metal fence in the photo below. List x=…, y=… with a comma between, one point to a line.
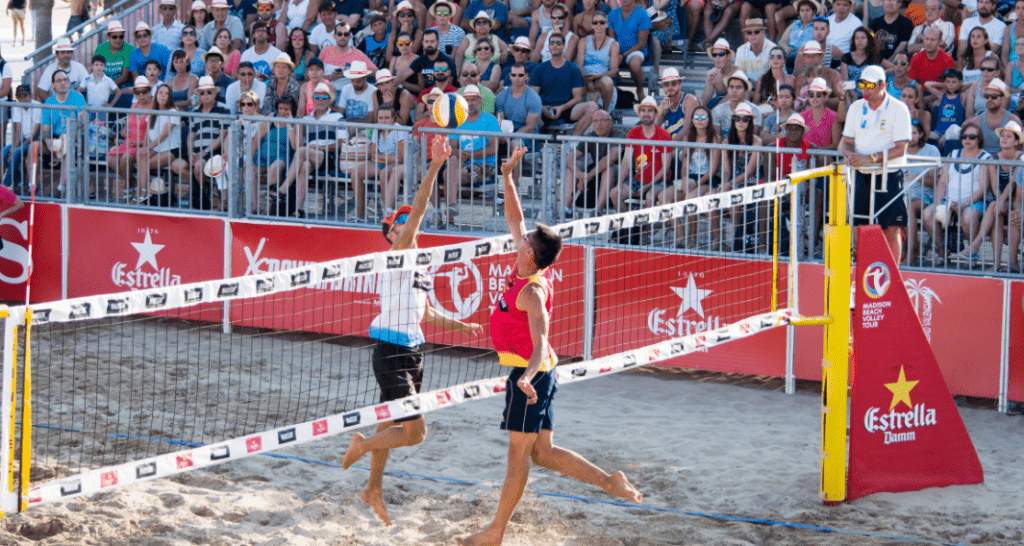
x=270, y=172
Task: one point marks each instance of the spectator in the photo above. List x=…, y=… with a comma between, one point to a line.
x=246, y=12
x=961, y=191
x=995, y=115
x=933, y=20
x=221, y=19
x=540, y=19
x=427, y=122
x=424, y=65
x=301, y=13
x=151, y=71
x=784, y=103
x=282, y=85
x=199, y=15
x=676, y=108
x=598, y=57
x=183, y=83
x=715, y=83
x=350, y=12
x=163, y=138
x=582, y=22
x=986, y=19
x=930, y=62
x=717, y=15
x=520, y=104
x=117, y=52
x=950, y=110
x=386, y=162
x=261, y=54
x=560, y=86
x=476, y=160
x=16, y=9
x=232, y=56
x=403, y=60
x=821, y=124
x=79, y=14
x=738, y=88
x=322, y=35
x=1013, y=33
x=55, y=122
x=776, y=76
x=740, y=169
x=978, y=48
x=650, y=165
x=877, y=126
x=487, y=70
x=496, y=11
x=974, y=99
x=1014, y=72
x=801, y=31
x=893, y=29
x=321, y=143
x=832, y=54
x=300, y=51
x=767, y=8
x=338, y=58
x=206, y=137
x=701, y=178
x=898, y=78
x=449, y=36
x=592, y=167
x=920, y=184
x=442, y=80
x=997, y=216
x=276, y=31
x=631, y=26
x=246, y=82
x=841, y=24
x=26, y=123
x=145, y=50
x=471, y=76
x=467, y=48
x=405, y=23
x=194, y=53
x=77, y=73
x=167, y=32
x=752, y=57
x=314, y=75
x=133, y=151
x=355, y=101
x=375, y=45
x=272, y=151
x=864, y=54
x=100, y=90
x=559, y=18
x=401, y=101
x=520, y=54
x=214, y=60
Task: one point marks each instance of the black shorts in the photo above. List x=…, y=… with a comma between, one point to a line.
x=760, y=4
x=895, y=215
x=530, y=418
x=399, y=372
x=565, y=117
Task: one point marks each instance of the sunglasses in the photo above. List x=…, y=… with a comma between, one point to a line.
x=752, y=32
x=188, y=33
x=342, y=34
x=486, y=22
x=140, y=92
x=406, y=13
x=167, y=8
x=555, y=42
x=989, y=69
x=520, y=50
x=470, y=74
x=722, y=54
x=991, y=96
x=431, y=101
x=817, y=94
x=403, y=42
x=700, y=117
x=263, y=9
x=483, y=49
x=900, y=63
x=776, y=56
x=442, y=69
x=440, y=13
x=208, y=92
x=745, y=119
x=247, y=74
x=518, y=75
x=141, y=35
x=559, y=17
x=115, y=36
x=245, y=104
x=321, y=97
x=297, y=38
x=599, y=22
x=968, y=137
x=866, y=85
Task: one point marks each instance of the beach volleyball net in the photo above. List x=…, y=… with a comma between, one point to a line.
x=106, y=391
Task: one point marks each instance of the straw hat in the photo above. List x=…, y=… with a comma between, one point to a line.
x=283, y=58
x=656, y=15
x=1014, y=128
x=670, y=74
x=141, y=82
x=648, y=102
x=998, y=85
x=471, y=91
x=483, y=15
x=206, y=82
x=743, y=110
x=795, y=119
x=741, y=76
x=214, y=169
x=523, y=42
x=818, y=84
x=721, y=43
x=114, y=26
x=357, y=69
x=812, y=47
x=404, y=5
x=434, y=92
x=141, y=26
x=814, y=5
x=754, y=24
x=219, y=4
x=157, y=185
x=384, y=75
x=213, y=51
x=63, y=44
x=198, y=5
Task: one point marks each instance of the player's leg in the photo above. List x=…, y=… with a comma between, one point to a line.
x=574, y=465
x=521, y=445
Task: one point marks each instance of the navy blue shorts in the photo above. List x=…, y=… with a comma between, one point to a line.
x=895, y=215
x=530, y=418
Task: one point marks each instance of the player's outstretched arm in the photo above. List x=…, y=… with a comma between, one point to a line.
x=440, y=150
x=513, y=209
x=436, y=318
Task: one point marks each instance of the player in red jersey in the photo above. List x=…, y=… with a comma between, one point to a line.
x=519, y=330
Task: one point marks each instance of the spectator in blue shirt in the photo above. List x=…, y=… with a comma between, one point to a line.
x=631, y=27
x=495, y=9
x=55, y=122
x=145, y=50
x=560, y=86
x=474, y=158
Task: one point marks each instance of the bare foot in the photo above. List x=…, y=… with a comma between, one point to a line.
x=488, y=537
x=355, y=451
x=375, y=498
x=620, y=487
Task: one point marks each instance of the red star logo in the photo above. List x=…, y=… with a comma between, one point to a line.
x=184, y=461
x=382, y=412
x=253, y=444
x=108, y=479
x=320, y=427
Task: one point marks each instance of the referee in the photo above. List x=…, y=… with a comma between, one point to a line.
x=878, y=125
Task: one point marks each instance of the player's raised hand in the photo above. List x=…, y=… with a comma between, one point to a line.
x=440, y=149
x=474, y=329
x=509, y=164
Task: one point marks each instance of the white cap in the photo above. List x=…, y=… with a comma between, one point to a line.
x=206, y=82
x=471, y=91
x=63, y=44
x=818, y=84
x=873, y=73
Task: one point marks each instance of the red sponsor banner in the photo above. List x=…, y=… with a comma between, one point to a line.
x=906, y=433
x=46, y=254
x=1016, y=387
x=645, y=297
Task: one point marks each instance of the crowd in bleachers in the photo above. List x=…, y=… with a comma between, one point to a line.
x=541, y=66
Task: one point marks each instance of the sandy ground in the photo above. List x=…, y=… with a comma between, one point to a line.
x=697, y=445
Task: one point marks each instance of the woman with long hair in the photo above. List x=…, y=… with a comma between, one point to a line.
x=300, y=51
x=194, y=53
x=776, y=76
x=914, y=99
x=134, y=146
x=273, y=147
x=222, y=40
x=920, y=194
x=784, y=106
x=183, y=82
x=405, y=55
x=598, y=58
x=482, y=25
x=164, y=137
x=582, y=22
x=1003, y=187
x=701, y=178
x=559, y=25
x=741, y=167
x=405, y=22
x=1013, y=34
x=823, y=126
x=1013, y=74
x=969, y=61
x=974, y=94
x=863, y=53
x=199, y=16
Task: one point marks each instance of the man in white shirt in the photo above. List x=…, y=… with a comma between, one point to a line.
x=221, y=19
x=878, y=128
x=246, y=81
x=77, y=73
x=167, y=32
x=752, y=57
x=986, y=18
x=842, y=24
x=932, y=19
x=261, y=54
x=322, y=34
x=355, y=101
x=26, y=123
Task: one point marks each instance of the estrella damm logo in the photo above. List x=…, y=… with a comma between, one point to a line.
x=876, y=280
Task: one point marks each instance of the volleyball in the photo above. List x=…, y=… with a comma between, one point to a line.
x=450, y=110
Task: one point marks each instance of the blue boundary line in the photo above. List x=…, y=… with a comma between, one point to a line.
x=722, y=517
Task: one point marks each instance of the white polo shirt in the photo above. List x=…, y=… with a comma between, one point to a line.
x=875, y=131
x=995, y=29
x=754, y=66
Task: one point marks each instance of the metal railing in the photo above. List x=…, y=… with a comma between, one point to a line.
x=561, y=178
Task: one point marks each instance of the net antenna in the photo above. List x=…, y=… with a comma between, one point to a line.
x=148, y=384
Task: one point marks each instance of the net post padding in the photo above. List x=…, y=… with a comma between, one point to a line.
x=170, y=464
x=8, y=497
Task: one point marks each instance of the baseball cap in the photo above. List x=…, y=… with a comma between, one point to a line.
x=952, y=73
x=395, y=217
x=23, y=90
x=873, y=73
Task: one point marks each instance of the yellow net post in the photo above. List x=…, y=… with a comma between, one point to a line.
x=837, y=334
x=26, y=413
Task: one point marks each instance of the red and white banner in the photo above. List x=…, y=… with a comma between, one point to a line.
x=1016, y=387
x=906, y=433
x=47, y=279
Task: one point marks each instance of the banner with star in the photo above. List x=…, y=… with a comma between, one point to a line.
x=906, y=432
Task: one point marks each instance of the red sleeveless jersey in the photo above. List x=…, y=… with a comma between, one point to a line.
x=510, y=325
